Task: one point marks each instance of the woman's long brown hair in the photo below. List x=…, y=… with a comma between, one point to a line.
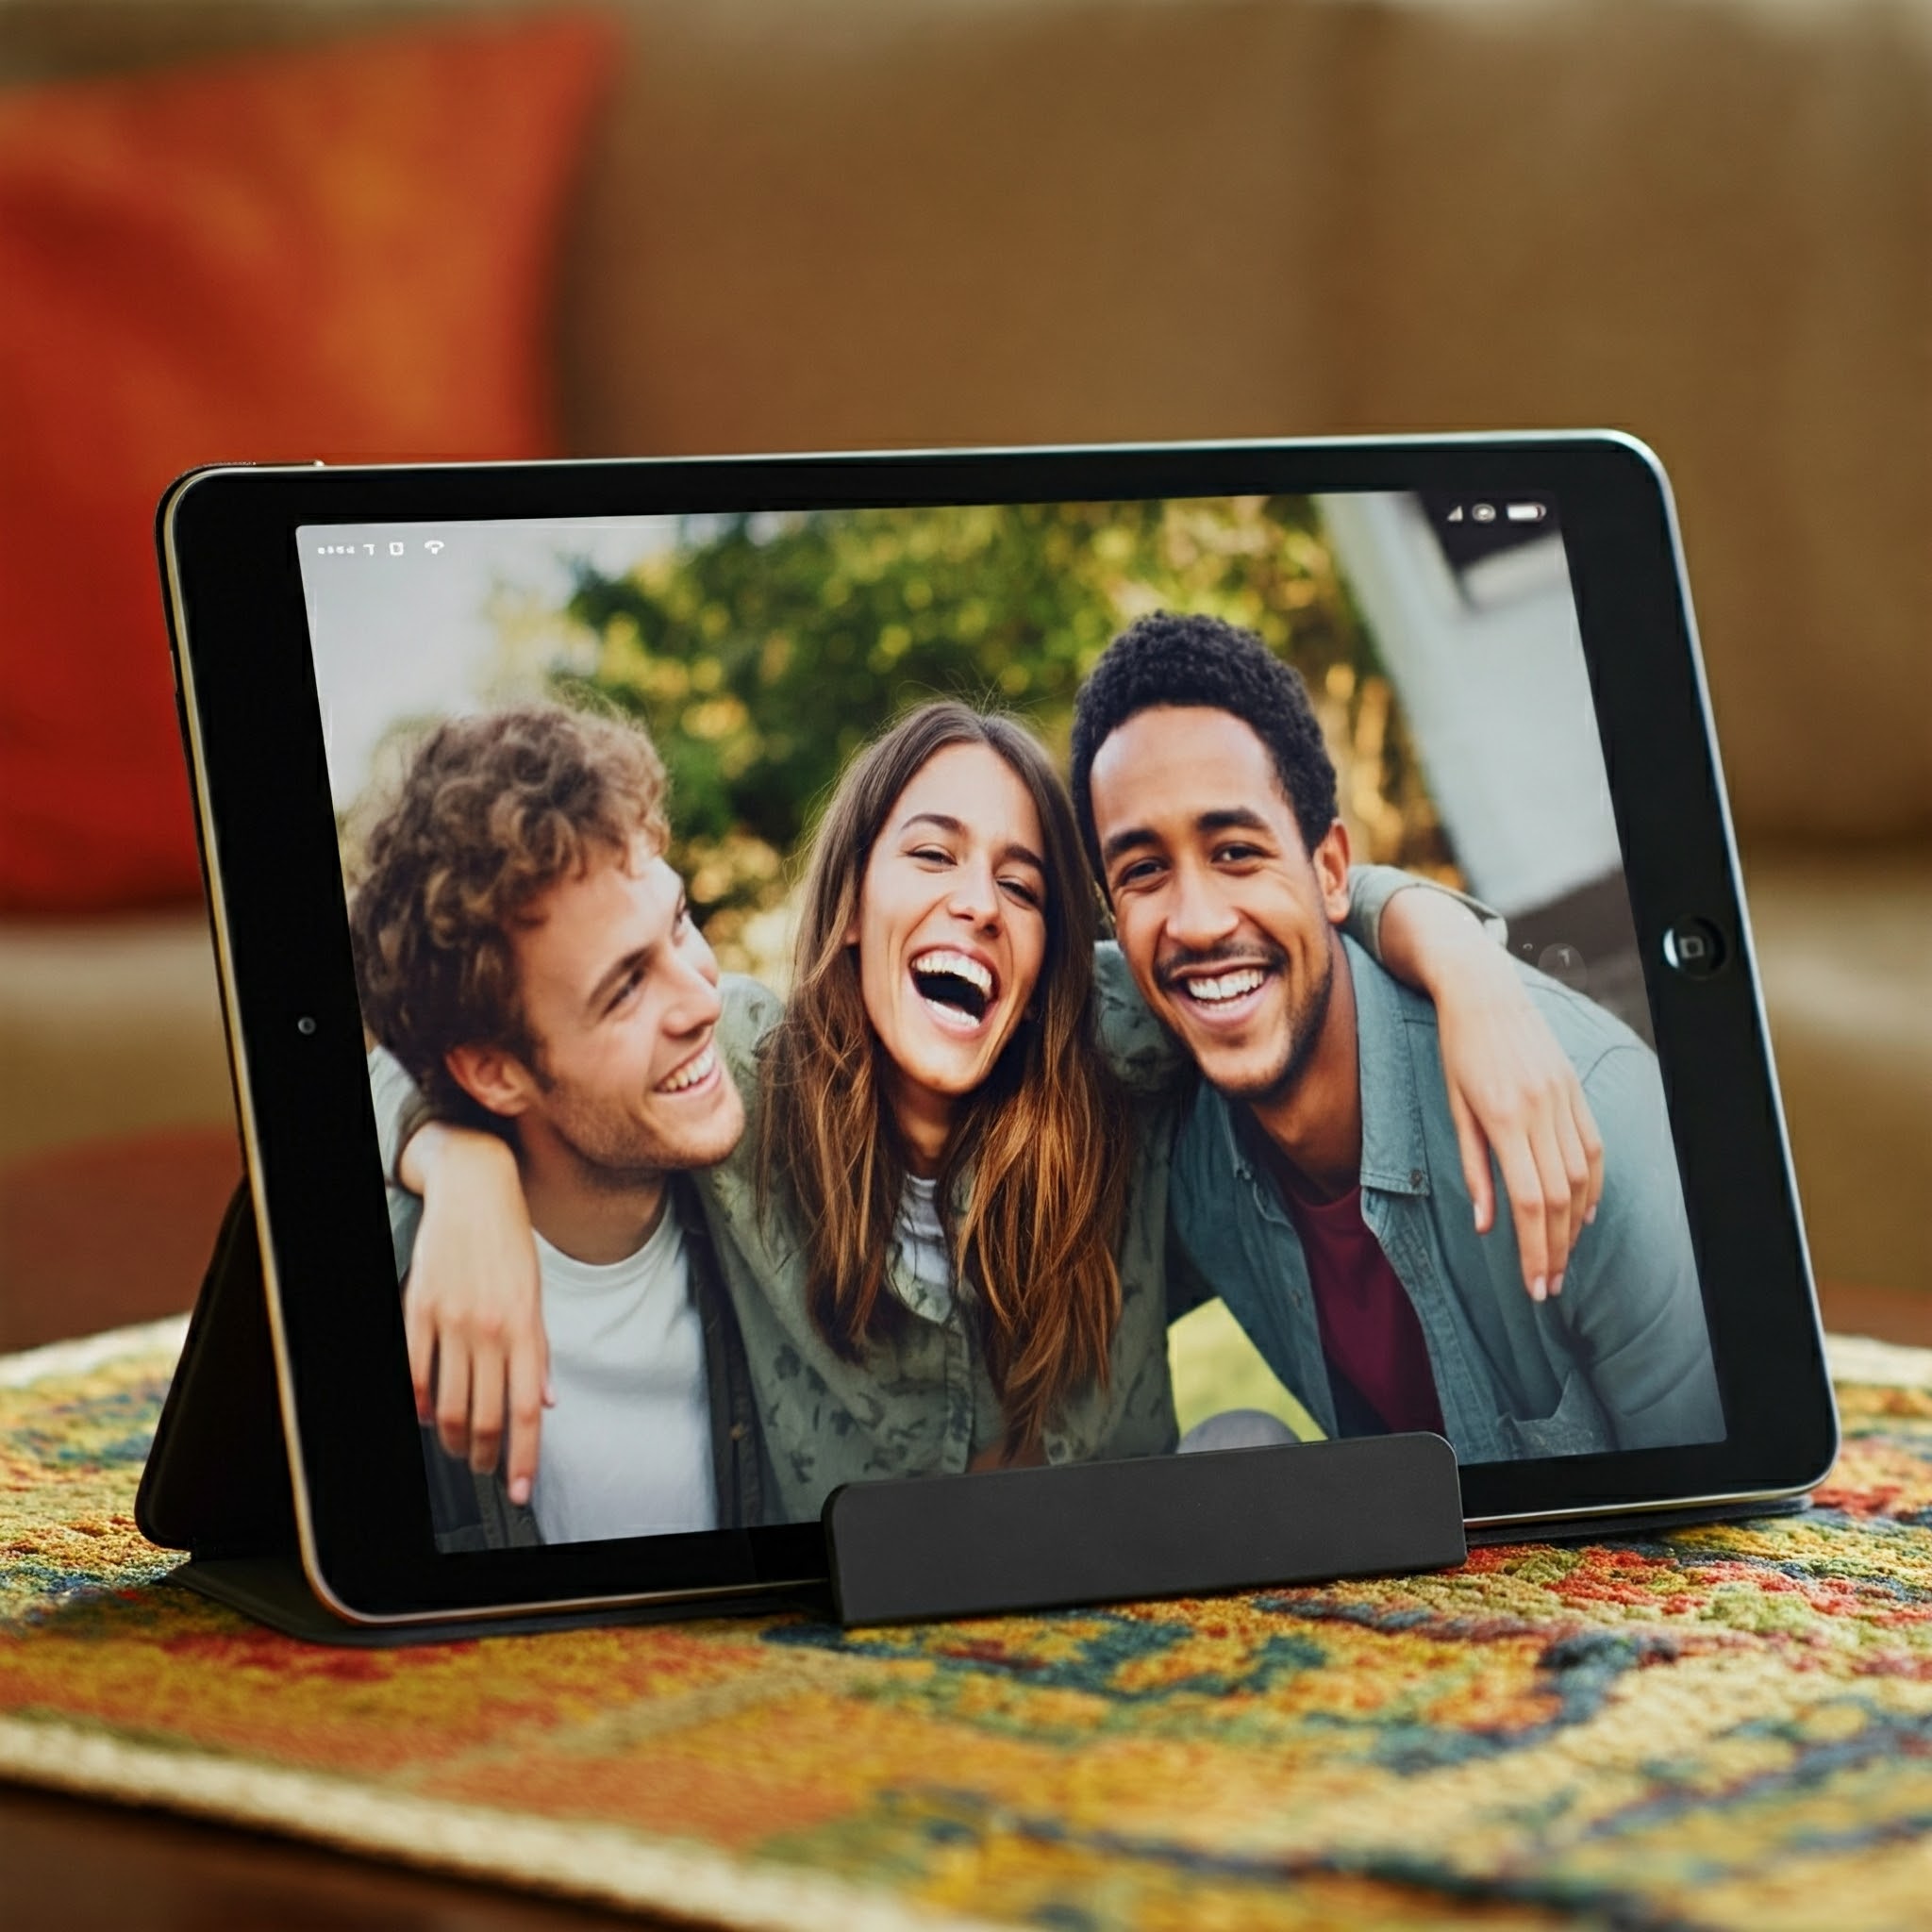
x=1042, y=1144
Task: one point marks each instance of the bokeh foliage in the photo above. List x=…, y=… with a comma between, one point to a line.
x=761, y=651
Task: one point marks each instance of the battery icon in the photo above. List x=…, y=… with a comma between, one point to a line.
x=1526, y=512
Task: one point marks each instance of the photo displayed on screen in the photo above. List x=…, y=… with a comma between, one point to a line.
x=883, y=992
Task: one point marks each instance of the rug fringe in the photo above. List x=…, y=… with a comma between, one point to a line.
x=162, y=1338
x=602, y=1863
x=1877, y=1364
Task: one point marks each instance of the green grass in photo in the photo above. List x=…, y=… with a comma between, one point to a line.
x=1216, y=1367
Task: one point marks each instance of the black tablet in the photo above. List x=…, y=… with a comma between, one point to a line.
x=911, y=964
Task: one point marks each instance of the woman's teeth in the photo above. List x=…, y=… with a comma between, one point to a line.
x=956, y=989
x=694, y=1070
x=959, y=965
x=1229, y=985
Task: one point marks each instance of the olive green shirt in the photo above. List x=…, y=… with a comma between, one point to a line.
x=920, y=1403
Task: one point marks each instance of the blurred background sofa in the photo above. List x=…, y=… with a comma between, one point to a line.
x=282, y=230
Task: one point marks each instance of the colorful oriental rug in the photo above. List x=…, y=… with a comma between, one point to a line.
x=1726, y=1728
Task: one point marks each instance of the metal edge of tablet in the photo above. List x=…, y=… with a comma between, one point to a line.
x=1462, y=439
x=1637, y=447
x=1651, y=460
x=238, y=1046
x=1453, y=439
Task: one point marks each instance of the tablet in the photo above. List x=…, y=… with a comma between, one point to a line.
x=915, y=957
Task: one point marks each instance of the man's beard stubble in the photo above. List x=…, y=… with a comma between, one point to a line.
x=618, y=1156
x=599, y=1175
x=1308, y=1012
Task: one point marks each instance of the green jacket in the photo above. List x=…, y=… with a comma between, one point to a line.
x=921, y=1403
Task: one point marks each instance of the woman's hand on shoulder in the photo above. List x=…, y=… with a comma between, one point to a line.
x=1513, y=1093
x=480, y=1358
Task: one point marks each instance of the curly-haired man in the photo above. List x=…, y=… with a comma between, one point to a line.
x=524, y=953
x=1317, y=1184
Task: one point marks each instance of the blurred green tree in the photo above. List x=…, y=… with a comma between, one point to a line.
x=761, y=651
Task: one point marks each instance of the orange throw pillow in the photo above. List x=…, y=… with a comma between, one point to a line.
x=347, y=252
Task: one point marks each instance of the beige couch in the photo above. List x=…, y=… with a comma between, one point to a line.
x=814, y=224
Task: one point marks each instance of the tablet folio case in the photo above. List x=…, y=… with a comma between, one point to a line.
x=217, y=1481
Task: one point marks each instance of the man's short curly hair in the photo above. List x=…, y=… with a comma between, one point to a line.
x=493, y=811
x=1204, y=663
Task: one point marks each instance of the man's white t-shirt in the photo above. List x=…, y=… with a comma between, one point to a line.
x=627, y=1449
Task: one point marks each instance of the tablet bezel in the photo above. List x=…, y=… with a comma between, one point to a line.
x=251, y=720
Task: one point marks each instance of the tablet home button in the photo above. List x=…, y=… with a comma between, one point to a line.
x=1695, y=948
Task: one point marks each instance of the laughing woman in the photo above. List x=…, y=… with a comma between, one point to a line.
x=943, y=1233
x=942, y=1159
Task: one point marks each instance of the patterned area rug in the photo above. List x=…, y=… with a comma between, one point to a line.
x=1726, y=1728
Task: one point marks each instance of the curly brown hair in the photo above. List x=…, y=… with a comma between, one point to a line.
x=493, y=811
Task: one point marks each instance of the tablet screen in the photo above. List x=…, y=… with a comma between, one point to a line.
x=931, y=989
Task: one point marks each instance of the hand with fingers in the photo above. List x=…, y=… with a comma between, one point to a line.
x=1514, y=1094
x=480, y=1358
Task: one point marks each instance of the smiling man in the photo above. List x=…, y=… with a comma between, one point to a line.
x=524, y=953
x=1317, y=1184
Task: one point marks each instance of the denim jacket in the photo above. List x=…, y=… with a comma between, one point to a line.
x=1620, y=1360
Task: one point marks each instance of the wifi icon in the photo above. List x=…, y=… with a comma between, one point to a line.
x=433, y=545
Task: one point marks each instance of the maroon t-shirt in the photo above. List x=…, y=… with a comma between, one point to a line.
x=1369, y=1328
